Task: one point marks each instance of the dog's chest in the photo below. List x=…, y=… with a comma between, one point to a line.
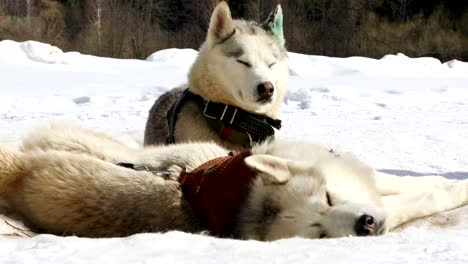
x=217, y=190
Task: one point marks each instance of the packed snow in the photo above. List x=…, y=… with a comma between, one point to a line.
x=399, y=114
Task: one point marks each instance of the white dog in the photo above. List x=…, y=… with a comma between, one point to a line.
x=235, y=87
x=66, y=181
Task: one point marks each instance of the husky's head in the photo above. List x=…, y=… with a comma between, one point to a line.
x=242, y=63
x=293, y=198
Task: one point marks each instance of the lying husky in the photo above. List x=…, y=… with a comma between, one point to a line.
x=67, y=180
x=235, y=87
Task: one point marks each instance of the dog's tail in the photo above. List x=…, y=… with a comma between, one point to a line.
x=11, y=167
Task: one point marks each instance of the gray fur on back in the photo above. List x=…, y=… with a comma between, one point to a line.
x=156, y=130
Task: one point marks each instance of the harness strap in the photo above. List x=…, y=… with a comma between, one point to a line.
x=228, y=119
x=142, y=168
x=175, y=109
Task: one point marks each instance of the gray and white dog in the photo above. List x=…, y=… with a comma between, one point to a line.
x=235, y=86
x=65, y=180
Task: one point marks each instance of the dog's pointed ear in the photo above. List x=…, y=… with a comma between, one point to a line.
x=221, y=25
x=272, y=170
x=274, y=24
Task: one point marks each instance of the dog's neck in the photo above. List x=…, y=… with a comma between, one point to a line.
x=217, y=190
x=233, y=124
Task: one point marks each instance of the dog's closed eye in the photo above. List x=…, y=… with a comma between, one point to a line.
x=329, y=201
x=246, y=64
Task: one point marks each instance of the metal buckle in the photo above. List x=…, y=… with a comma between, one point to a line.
x=232, y=117
x=206, y=108
x=224, y=112
x=222, y=115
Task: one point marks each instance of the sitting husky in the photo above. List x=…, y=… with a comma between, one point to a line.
x=71, y=181
x=235, y=87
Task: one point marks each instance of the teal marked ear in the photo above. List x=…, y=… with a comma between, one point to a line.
x=274, y=24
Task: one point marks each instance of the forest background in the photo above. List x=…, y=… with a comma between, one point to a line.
x=340, y=28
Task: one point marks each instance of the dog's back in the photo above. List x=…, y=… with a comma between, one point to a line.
x=156, y=125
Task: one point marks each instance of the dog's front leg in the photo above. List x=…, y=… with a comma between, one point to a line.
x=404, y=207
x=389, y=184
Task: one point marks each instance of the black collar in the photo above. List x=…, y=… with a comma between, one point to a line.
x=232, y=123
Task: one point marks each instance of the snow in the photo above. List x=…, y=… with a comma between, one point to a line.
x=414, y=246
x=401, y=115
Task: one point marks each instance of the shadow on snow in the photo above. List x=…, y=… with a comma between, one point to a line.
x=451, y=175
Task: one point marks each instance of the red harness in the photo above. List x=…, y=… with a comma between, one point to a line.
x=216, y=191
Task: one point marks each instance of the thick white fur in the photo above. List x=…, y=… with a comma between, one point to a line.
x=63, y=182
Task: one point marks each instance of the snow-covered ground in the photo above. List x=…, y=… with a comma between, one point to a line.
x=399, y=114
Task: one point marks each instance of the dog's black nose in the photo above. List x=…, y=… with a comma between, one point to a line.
x=265, y=90
x=365, y=226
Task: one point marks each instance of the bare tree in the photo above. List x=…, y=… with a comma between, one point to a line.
x=94, y=17
x=402, y=15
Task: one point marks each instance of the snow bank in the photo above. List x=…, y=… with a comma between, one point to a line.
x=397, y=66
x=42, y=52
x=14, y=52
x=181, y=59
x=174, y=56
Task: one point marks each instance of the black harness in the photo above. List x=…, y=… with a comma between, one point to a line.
x=227, y=119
